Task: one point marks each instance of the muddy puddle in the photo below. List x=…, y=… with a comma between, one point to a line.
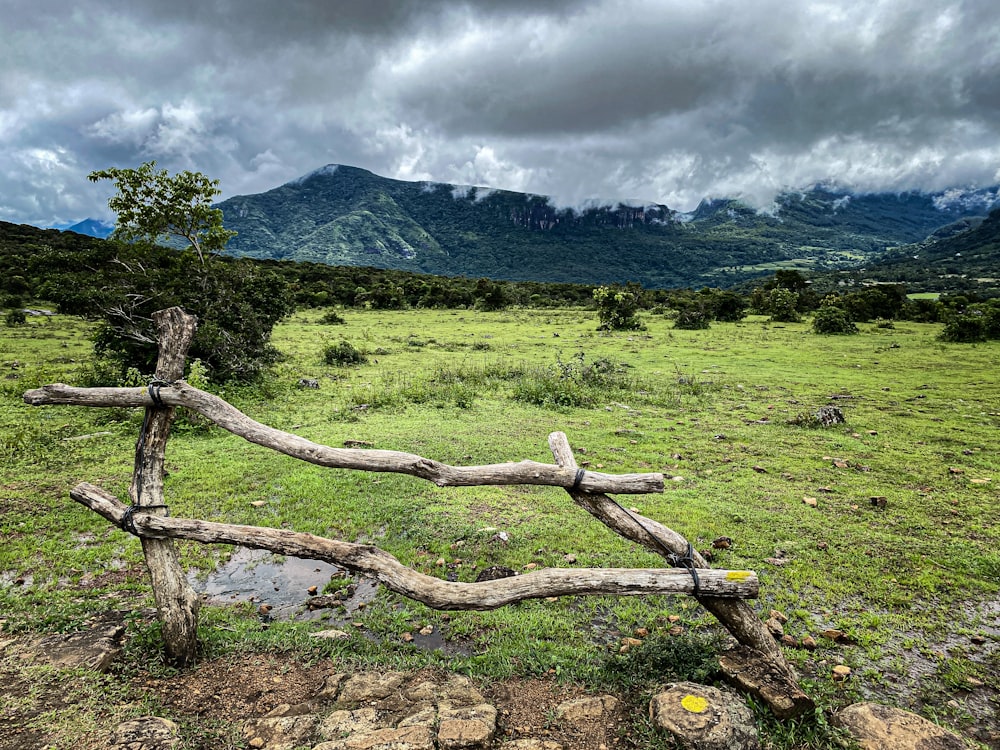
x=284, y=587
x=291, y=588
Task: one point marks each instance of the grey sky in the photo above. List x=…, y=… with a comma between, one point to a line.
x=667, y=100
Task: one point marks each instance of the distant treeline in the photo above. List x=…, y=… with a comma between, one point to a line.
x=85, y=275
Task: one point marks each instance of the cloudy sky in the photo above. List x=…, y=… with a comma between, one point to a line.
x=664, y=100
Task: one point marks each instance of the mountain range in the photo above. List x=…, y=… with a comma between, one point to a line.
x=342, y=215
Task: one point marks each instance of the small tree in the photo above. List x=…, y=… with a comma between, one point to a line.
x=781, y=303
x=617, y=306
x=830, y=319
x=153, y=206
x=236, y=302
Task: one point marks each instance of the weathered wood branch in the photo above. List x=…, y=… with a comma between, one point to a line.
x=176, y=602
x=431, y=591
x=737, y=616
x=232, y=419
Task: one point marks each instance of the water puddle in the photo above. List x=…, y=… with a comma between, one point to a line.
x=283, y=587
x=292, y=588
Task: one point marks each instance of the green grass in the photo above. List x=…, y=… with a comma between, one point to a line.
x=910, y=582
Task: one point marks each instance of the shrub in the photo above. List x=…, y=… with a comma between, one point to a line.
x=692, y=319
x=332, y=318
x=832, y=320
x=15, y=317
x=781, y=303
x=617, y=306
x=965, y=328
x=344, y=354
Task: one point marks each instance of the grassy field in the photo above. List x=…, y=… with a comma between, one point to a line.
x=911, y=577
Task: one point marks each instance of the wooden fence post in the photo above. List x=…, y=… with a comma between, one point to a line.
x=176, y=602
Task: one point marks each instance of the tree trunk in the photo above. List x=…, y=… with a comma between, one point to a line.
x=176, y=602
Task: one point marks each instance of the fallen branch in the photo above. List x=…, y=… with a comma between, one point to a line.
x=433, y=592
x=232, y=419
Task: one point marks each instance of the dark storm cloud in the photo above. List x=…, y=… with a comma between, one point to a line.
x=664, y=101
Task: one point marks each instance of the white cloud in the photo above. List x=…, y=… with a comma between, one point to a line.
x=654, y=100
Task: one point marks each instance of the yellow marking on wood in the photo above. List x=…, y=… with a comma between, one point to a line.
x=694, y=703
x=738, y=575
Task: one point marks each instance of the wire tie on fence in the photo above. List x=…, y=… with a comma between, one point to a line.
x=687, y=561
x=579, y=479
x=154, y=390
x=128, y=517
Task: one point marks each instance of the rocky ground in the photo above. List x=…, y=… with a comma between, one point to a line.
x=68, y=691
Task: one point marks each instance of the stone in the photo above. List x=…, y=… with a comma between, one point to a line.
x=331, y=635
x=367, y=686
x=531, y=744
x=405, y=738
x=146, y=733
x=751, y=672
x=774, y=627
x=830, y=415
x=95, y=649
x=469, y=727
x=331, y=686
x=584, y=709
x=280, y=732
x=348, y=723
x=703, y=717
x=877, y=727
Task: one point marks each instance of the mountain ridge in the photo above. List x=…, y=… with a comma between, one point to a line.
x=343, y=215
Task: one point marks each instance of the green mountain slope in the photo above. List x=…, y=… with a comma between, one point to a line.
x=345, y=215
x=952, y=261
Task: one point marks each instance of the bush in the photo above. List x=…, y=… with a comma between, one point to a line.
x=782, y=304
x=237, y=304
x=692, y=319
x=832, y=320
x=965, y=328
x=15, y=318
x=344, y=354
x=332, y=318
x=617, y=306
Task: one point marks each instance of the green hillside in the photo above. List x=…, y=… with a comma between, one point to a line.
x=345, y=215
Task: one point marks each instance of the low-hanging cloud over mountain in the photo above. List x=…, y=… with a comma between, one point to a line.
x=666, y=101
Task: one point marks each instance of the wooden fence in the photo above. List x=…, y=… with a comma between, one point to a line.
x=722, y=592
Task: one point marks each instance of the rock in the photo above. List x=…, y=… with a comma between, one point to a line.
x=405, y=738
x=146, y=733
x=331, y=686
x=457, y=690
x=333, y=634
x=469, y=727
x=280, y=732
x=366, y=686
x=830, y=415
x=810, y=501
x=749, y=671
x=531, y=745
x=877, y=727
x=585, y=709
x=343, y=723
x=779, y=616
x=308, y=383
x=774, y=627
x=841, y=672
x=94, y=649
x=809, y=643
x=704, y=717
